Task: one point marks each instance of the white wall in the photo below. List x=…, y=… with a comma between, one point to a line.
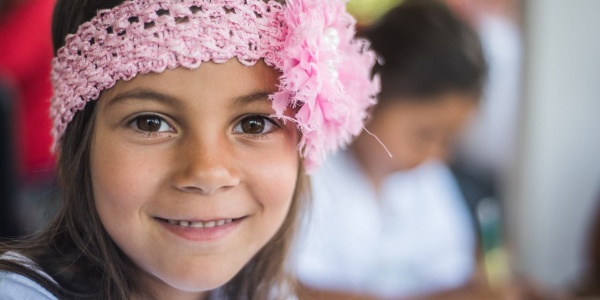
x=557, y=179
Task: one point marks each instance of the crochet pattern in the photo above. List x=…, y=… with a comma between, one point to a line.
x=325, y=72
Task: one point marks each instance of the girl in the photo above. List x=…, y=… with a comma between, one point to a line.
x=183, y=129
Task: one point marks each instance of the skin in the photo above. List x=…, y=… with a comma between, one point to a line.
x=413, y=131
x=180, y=145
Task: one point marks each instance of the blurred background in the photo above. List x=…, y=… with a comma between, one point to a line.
x=538, y=126
x=536, y=131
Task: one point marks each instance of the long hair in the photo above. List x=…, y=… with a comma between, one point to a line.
x=75, y=249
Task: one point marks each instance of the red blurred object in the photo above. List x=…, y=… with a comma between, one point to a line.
x=25, y=59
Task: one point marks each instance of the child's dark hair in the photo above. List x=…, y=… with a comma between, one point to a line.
x=426, y=50
x=75, y=249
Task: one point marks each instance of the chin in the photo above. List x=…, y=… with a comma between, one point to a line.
x=198, y=281
x=186, y=286
x=197, y=286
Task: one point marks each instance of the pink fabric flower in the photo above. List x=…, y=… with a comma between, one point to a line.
x=326, y=72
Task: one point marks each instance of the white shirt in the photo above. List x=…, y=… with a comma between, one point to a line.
x=416, y=237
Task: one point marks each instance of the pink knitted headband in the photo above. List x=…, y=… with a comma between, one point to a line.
x=325, y=71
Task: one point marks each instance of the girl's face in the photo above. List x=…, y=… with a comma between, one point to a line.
x=191, y=176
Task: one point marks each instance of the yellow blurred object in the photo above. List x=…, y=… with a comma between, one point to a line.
x=367, y=11
x=497, y=268
x=496, y=261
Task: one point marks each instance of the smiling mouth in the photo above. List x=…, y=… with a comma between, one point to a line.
x=198, y=224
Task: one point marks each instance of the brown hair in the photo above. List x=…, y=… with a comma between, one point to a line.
x=426, y=50
x=75, y=249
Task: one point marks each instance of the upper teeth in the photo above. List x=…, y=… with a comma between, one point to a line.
x=208, y=224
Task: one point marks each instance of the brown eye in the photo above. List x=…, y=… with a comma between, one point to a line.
x=254, y=125
x=150, y=123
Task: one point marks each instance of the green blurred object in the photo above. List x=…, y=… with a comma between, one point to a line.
x=367, y=11
x=496, y=262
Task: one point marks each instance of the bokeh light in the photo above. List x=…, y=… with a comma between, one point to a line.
x=367, y=11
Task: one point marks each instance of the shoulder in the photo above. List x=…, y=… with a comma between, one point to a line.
x=18, y=287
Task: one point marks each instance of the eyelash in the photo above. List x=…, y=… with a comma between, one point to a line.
x=268, y=122
x=150, y=134
x=132, y=123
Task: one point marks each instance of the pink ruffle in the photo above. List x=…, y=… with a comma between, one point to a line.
x=326, y=72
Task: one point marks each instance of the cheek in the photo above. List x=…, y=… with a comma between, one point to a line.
x=110, y=188
x=273, y=178
x=121, y=183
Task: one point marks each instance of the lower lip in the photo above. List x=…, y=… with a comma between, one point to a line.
x=204, y=234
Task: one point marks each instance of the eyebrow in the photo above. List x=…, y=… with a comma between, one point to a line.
x=251, y=98
x=144, y=93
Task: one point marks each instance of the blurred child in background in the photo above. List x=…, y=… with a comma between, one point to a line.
x=395, y=224
x=390, y=219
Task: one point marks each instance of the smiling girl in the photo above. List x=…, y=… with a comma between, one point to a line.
x=183, y=130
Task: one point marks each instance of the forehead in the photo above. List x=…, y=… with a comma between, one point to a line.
x=444, y=109
x=211, y=81
x=447, y=101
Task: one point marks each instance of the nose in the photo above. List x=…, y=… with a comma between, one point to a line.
x=206, y=167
